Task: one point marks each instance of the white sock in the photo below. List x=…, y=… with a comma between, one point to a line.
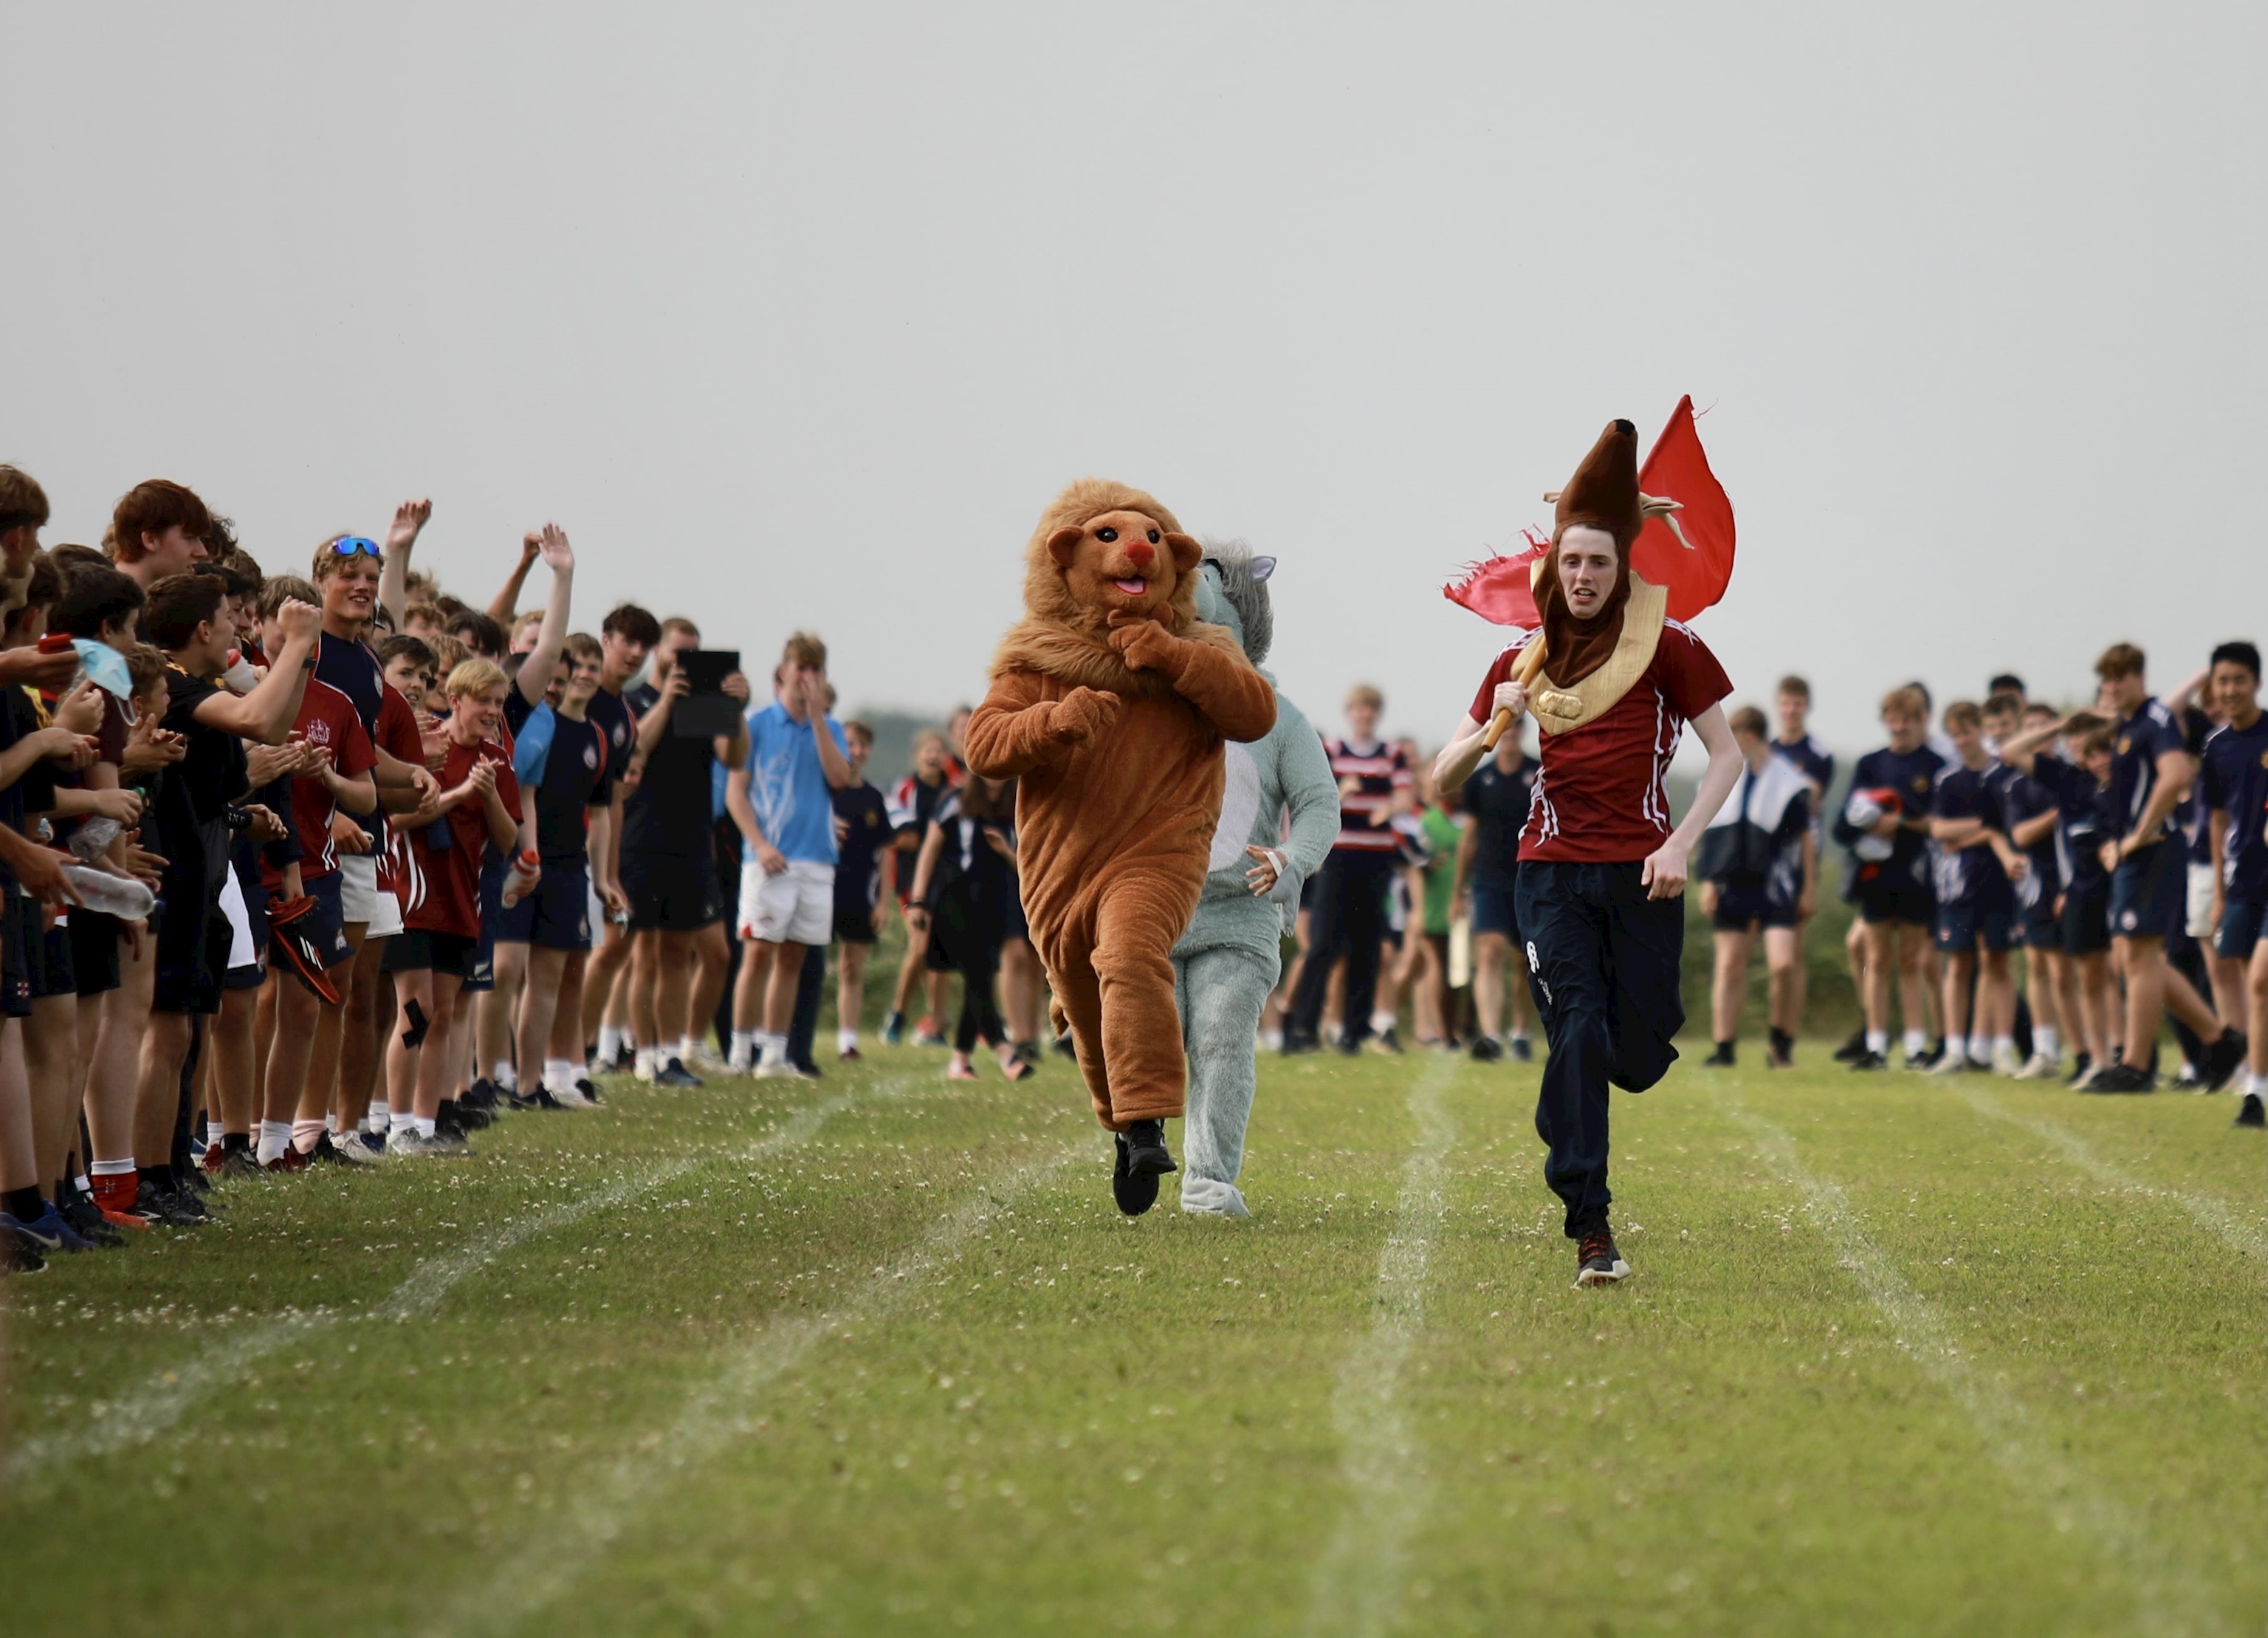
x=506, y=1076
x=2045, y=1042
x=1878, y=1043
x=610, y=1044
x=118, y=1168
x=1273, y=1039
x=649, y=1063
x=559, y=1074
x=275, y=1138
x=376, y=1120
x=2004, y=1043
x=213, y=1133
x=744, y=1047
x=426, y=1127
x=402, y=1120
x=1521, y=1035
x=1916, y=1044
x=686, y=1046
x=846, y=1040
x=774, y=1051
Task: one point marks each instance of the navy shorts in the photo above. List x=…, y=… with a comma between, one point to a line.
x=2149, y=892
x=326, y=923
x=854, y=929
x=1743, y=905
x=1885, y=897
x=1496, y=909
x=556, y=916
x=2087, y=919
x=481, y=976
x=19, y=925
x=54, y=971
x=2243, y=924
x=2038, y=927
x=1960, y=927
x=94, y=951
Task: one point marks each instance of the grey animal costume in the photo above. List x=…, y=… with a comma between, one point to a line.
x=1229, y=961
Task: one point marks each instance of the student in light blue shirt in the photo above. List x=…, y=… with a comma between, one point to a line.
x=781, y=800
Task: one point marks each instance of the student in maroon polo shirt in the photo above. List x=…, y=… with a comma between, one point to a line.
x=1602, y=873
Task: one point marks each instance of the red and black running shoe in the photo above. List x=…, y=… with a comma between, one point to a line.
x=1597, y=1263
x=296, y=950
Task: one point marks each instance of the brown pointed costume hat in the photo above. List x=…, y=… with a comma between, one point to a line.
x=1602, y=495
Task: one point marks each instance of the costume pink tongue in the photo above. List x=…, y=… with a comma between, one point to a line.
x=1132, y=588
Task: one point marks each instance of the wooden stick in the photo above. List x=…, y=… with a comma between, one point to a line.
x=1524, y=674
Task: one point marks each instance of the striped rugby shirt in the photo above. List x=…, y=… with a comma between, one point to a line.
x=1366, y=817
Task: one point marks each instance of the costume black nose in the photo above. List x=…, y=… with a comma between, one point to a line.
x=1626, y=428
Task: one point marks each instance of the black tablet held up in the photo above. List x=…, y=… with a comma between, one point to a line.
x=707, y=710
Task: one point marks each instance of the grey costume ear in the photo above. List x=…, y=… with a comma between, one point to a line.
x=1262, y=567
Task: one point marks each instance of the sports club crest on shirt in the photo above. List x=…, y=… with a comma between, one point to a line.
x=2125, y=746
x=1921, y=782
x=591, y=757
x=319, y=732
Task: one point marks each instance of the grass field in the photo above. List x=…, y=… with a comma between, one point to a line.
x=877, y=1354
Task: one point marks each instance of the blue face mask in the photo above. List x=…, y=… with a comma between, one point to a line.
x=106, y=666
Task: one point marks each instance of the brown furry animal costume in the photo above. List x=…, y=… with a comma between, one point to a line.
x=1111, y=701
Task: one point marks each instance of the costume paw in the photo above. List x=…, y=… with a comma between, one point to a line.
x=1084, y=712
x=1209, y=1198
x=1145, y=645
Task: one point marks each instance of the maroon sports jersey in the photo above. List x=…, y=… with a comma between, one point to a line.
x=396, y=735
x=326, y=717
x=1600, y=796
x=443, y=889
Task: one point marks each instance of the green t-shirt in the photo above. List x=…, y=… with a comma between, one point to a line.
x=1441, y=835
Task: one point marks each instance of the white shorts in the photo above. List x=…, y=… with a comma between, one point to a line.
x=361, y=900
x=2200, y=921
x=796, y=906
x=241, y=952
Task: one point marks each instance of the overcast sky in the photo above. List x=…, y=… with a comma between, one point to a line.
x=798, y=316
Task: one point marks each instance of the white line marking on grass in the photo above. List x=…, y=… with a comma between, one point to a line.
x=713, y=1415
x=166, y=1396
x=2165, y=1601
x=1357, y=1582
x=2209, y=1213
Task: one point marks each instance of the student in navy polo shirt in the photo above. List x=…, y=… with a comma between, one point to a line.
x=1885, y=824
x=1759, y=864
x=1974, y=864
x=2235, y=797
x=1496, y=798
x=2030, y=795
x=2150, y=773
x=1816, y=763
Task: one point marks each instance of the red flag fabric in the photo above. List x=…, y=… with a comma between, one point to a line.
x=1695, y=570
x=1692, y=562
x=1498, y=589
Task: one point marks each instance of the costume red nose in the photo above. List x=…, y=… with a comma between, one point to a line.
x=1141, y=552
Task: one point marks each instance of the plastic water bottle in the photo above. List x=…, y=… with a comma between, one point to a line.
x=525, y=869
x=94, y=834
x=121, y=896
x=239, y=676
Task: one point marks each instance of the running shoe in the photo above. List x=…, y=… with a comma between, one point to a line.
x=2040, y=1067
x=1597, y=1262
x=2004, y=1061
x=482, y=1094
x=2224, y=1058
x=2249, y=1112
x=1853, y=1049
x=894, y=1028
x=88, y=1222
x=290, y=1161
x=1388, y=1041
x=1522, y=1052
x=1952, y=1064
x=162, y=1204
x=850, y=1055
x=47, y=1233
x=296, y=950
x=1029, y=1052
x=1485, y=1050
x=589, y=1088
x=1146, y=1154
x=19, y=1252
x=1867, y=1063
x=1296, y=1043
x=2121, y=1078
x=806, y=1070
x=1721, y=1057
x=348, y=1155
x=570, y=1097
x=407, y=1141
x=673, y=1072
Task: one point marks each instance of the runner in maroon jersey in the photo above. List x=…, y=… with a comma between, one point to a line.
x=1601, y=871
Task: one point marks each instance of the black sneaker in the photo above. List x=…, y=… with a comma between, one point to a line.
x=2248, y=1113
x=2223, y=1058
x=1387, y=1040
x=87, y=1220
x=1295, y=1043
x=1721, y=1058
x=1867, y=1062
x=675, y=1074
x=482, y=1094
x=1853, y=1049
x=1522, y=1051
x=2122, y=1078
x=2081, y=1068
x=161, y=1203
x=1135, y=1195
x=583, y=1084
x=1066, y=1047
x=1484, y=1050
x=1029, y=1052
x=1597, y=1263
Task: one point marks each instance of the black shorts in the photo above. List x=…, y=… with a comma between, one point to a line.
x=674, y=895
x=1961, y=928
x=2087, y=919
x=854, y=929
x=53, y=972
x=556, y=916
x=193, y=946
x=1742, y=905
x=19, y=923
x=94, y=951
x=414, y=950
x=1886, y=897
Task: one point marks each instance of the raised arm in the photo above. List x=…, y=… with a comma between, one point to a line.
x=409, y=520
x=1015, y=731
x=507, y=600
x=542, y=664
x=267, y=713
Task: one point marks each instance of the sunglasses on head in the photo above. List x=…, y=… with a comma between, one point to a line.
x=350, y=545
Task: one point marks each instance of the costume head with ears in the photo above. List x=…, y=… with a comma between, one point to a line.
x=1104, y=548
x=1234, y=593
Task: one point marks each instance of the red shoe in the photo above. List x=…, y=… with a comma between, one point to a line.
x=212, y=1160
x=124, y=1220
x=848, y=1055
x=290, y=1160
